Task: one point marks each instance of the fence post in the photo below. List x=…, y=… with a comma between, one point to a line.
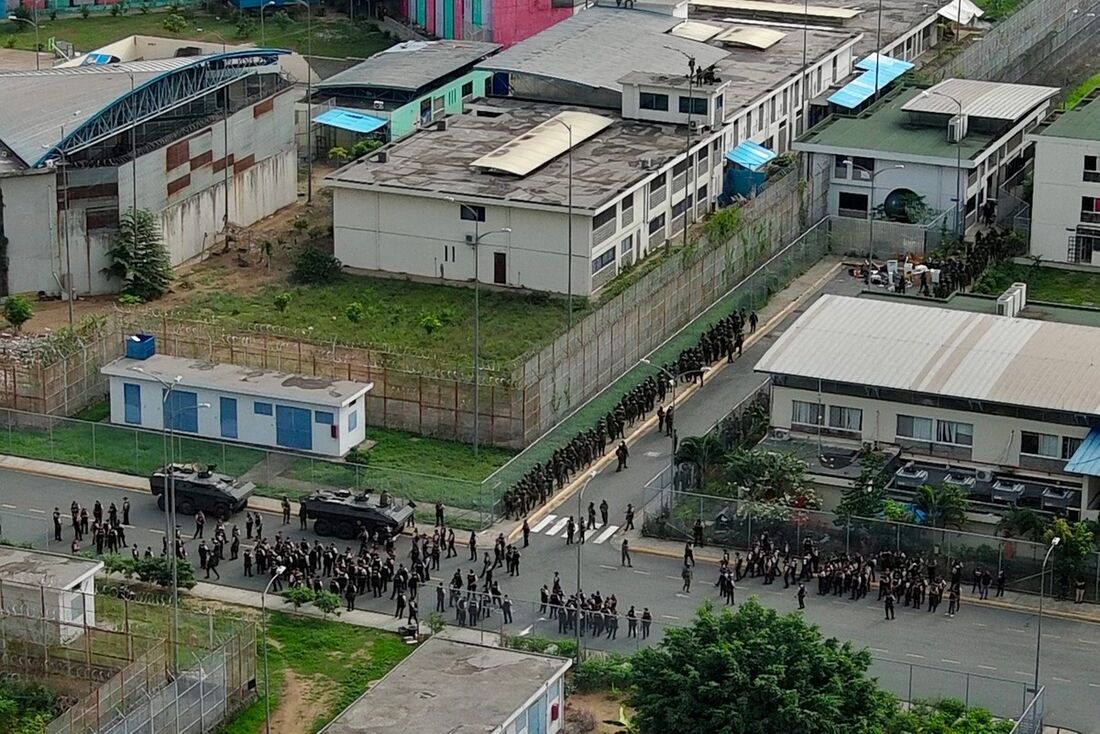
x=967, y=701
x=848, y=546
x=909, y=698
x=95, y=460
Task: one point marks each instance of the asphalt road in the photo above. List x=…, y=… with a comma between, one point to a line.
x=982, y=655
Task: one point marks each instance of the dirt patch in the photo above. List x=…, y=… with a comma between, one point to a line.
x=603, y=707
x=301, y=702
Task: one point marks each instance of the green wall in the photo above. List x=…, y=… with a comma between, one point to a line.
x=405, y=119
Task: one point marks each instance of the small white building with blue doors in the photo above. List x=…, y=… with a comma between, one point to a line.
x=231, y=403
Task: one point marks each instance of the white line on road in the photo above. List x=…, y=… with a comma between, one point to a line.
x=1094, y=685
x=683, y=596
x=1088, y=642
x=914, y=655
x=1020, y=672
x=949, y=660
x=613, y=568
x=877, y=649
x=1060, y=680
x=644, y=573
x=979, y=624
x=607, y=533
x=526, y=630
x=1054, y=637
x=37, y=512
x=10, y=507
x=669, y=616
x=558, y=526
x=154, y=530
x=674, y=578
x=987, y=667
x=537, y=527
x=1016, y=629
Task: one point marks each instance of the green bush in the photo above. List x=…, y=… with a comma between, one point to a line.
x=355, y=312
x=327, y=602
x=314, y=267
x=299, y=595
x=245, y=26
x=18, y=310
x=599, y=673
x=282, y=301
x=85, y=12
x=154, y=570
x=173, y=22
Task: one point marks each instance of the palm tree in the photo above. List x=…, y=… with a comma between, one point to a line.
x=943, y=506
x=1020, y=522
x=703, y=452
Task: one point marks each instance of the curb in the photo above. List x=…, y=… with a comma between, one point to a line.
x=570, y=489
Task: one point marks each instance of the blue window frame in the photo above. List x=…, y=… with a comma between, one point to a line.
x=353, y=419
x=324, y=417
x=131, y=399
x=261, y=408
x=228, y=410
x=181, y=411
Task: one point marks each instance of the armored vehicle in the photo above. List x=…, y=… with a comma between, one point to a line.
x=199, y=487
x=342, y=513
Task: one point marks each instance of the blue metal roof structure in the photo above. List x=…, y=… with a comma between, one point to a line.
x=1086, y=459
x=356, y=122
x=750, y=155
x=860, y=89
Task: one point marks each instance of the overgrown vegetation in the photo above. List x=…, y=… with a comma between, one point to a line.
x=155, y=570
x=1081, y=91
x=17, y=310
x=25, y=707
x=1054, y=285
x=314, y=266
x=138, y=257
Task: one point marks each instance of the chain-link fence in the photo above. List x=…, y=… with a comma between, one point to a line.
x=730, y=523
x=1031, y=720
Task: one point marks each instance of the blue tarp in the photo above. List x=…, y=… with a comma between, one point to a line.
x=750, y=155
x=357, y=122
x=860, y=89
x=1086, y=459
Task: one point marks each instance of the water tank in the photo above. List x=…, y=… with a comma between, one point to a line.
x=141, y=346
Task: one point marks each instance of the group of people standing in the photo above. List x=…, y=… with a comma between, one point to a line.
x=108, y=530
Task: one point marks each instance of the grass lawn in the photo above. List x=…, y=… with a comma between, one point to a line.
x=1080, y=91
x=336, y=662
x=332, y=36
x=394, y=315
x=1044, y=284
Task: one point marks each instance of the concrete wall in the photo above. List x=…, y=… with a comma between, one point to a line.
x=252, y=428
x=30, y=224
x=1058, y=187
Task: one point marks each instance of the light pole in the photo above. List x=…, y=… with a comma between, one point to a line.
x=28, y=21
x=68, y=252
x=871, y=203
x=263, y=33
x=960, y=205
x=687, y=145
x=309, y=98
x=1039, y=626
x=263, y=625
x=569, y=223
x=672, y=380
x=580, y=505
x=133, y=154
x=475, y=243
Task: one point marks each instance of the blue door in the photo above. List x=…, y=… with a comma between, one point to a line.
x=181, y=411
x=536, y=716
x=294, y=427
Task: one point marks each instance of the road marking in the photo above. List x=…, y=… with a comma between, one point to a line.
x=1020, y=672
x=979, y=624
x=1021, y=631
x=10, y=507
x=669, y=616
x=558, y=526
x=914, y=655
x=1094, y=685
x=987, y=667
x=652, y=454
x=613, y=568
x=526, y=631
x=674, y=578
x=607, y=533
x=154, y=530
x=683, y=596
x=1060, y=680
x=1088, y=642
x=644, y=573
x=37, y=512
x=877, y=649
x=1054, y=637
x=948, y=660
x=537, y=527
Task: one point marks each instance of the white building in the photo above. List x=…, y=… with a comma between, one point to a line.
x=957, y=388
x=1065, y=209
x=451, y=686
x=36, y=585
x=186, y=138
x=914, y=144
x=238, y=404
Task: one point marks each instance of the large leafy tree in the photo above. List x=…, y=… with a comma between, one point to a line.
x=755, y=671
x=769, y=478
x=1021, y=522
x=139, y=258
x=943, y=506
x=1074, y=548
x=866, y=497
x=703, y=452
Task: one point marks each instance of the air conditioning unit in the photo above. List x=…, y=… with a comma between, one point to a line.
x=984, y=475
x=379, y=104
x=956, y=128
x=779, y=434
x=694, y=125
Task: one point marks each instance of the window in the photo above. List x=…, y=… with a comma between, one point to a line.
x=602, y=260
x=832, y=72
x=919, y=429
x=470, y=213
x=650, y=101
x=131, y=399
x=658, y=222
x=1070, y=446
x=759, y=118
x=1039, y=444
x=627, y=246
x=955, y=432
x=719, y=106
x=657, y=184
x=500, y=268
x=227, y=410
x=807, y=414
x=845, y=419
x=1092, y=168
x=602, y=218
x=324, y=417
x=679, y=169
x=353, y=419
x=628, y=203
x=468, y=89
x=849, y=203
x=680, y=207
x=702, y=193
x=771, y=109
x=261, y=408
x=693, y=105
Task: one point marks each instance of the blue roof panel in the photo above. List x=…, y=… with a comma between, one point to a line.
x=1086, y=459
x=863, y=87
x=357, y=122
x=750, y=155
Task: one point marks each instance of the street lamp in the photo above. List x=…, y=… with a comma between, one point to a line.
x=474, y=243
x=1039, y=626
x=688, y=160
x=263, y=34
x=871, y=203
x=580, y=505
x=28, y=21
x=960, y=205
x=569, y=223
x=263, y=624
x=309, y=98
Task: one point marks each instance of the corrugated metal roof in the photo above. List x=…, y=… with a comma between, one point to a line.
x=750, y=155
x=996, y=100
x=1086, y=459
x=789, y=10
x=1013, y=361
x=411, y=65
x=357, y=122
x=860, y=89
x=543, y=143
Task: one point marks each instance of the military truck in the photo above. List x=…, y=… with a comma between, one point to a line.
x=200, y=487
x=342, y=513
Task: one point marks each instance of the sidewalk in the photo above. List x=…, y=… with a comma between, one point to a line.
x=357, y=617
x=1015, y=601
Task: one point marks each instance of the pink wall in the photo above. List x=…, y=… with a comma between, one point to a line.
x=515, y=20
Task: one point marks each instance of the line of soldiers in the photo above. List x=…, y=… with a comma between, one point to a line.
x=590, y=615
x=722, y=339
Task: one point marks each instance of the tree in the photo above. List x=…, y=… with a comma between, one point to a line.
x=314, y=267
x=338, y=154
x=1074, y=548
x=949, y=716
x=764, y=476
x=327, y=602
x=703, y=452
x=174, y=23
x=755, y=671
x=1020, y=522
x=18, y=310
x=866, y=496
x=138, y=257
x=943, y=506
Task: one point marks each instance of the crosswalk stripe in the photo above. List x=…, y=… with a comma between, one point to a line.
x=607, y=533
x=558, y=527
x=537, y=527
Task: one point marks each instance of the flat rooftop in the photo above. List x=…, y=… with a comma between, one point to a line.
x=229, y=378
x=411, y=65
x=35, y=568
x=447, y=686
x=886, y=128
x=1082, y=122
x=437, y=162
